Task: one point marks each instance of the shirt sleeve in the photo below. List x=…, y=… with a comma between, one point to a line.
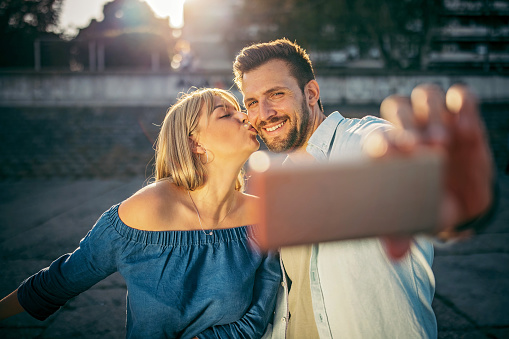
x=351, y=135
x=255, y=321
x=45, y=292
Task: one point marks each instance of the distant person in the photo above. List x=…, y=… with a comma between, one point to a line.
x=353, y=289
x=183, y=243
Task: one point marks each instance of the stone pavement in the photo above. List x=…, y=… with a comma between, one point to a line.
x=43, y=219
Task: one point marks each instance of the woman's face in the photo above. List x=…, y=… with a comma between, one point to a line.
x=226, y=132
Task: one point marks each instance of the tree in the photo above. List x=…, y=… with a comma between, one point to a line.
x=399, y=29
x=21, y=23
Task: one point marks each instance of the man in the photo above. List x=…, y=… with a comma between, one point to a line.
x=352, y=289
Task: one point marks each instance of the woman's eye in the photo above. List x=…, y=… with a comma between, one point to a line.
x=225, y=116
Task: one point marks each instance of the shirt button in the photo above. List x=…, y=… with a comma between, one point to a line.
x=321, y=318
x=283, y=283
x=283, y=319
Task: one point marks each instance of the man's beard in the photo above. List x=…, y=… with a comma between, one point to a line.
x=296, y=136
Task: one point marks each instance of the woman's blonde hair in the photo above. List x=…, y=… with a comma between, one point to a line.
x=174, y=157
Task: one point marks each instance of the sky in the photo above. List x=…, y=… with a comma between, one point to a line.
x=78, y=13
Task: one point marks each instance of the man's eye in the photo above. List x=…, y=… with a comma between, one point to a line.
x=250, y=104
x=277, y=94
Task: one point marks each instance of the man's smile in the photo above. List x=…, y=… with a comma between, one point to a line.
x=275, y=127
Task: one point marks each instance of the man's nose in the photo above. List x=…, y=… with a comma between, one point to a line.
x=265, y=110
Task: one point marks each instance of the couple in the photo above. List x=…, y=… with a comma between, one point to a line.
x=183, y=243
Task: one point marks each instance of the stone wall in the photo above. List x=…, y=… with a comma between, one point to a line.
x=148, y=89
x=365, y=89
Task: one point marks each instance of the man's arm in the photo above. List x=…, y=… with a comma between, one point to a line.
x=451, y=124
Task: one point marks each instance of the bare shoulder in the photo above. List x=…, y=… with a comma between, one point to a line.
x=250, y=209
x=146, y=208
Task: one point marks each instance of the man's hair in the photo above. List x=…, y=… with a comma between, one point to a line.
x=174, y=158
x=254, y=56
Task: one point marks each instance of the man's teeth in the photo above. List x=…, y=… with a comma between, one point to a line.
x=271, y=129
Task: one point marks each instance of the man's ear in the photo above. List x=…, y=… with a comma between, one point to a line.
x=312, y=92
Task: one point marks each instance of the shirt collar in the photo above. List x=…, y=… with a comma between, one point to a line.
x=320, y=142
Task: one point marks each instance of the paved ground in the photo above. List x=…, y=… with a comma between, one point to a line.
x=60, y=170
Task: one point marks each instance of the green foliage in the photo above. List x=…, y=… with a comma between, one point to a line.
x=29, y=16
x=21, y=23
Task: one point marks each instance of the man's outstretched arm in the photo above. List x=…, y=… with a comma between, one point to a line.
x=449, y=123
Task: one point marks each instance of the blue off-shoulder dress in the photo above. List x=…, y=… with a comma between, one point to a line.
x=180, y=284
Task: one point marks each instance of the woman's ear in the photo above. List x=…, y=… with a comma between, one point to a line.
x=312, y=92
x=195, y=146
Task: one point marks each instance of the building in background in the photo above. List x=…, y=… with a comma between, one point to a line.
x=129, y=37
x=208, y=35
x=471, y=35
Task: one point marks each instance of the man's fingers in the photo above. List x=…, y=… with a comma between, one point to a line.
x=397, y=246
x=398, y=110
x=464, y=105
x=460, y=100
x=377, y=145
x=430, y=111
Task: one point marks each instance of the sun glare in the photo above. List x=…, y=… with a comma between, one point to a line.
x=172, y=8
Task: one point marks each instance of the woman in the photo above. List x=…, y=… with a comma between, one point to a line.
x=183, y=244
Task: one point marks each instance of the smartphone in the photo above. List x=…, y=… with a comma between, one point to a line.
x=355, y=198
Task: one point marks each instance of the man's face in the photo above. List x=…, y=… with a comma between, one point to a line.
x=276, y=107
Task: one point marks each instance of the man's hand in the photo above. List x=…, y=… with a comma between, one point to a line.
x=451, y=124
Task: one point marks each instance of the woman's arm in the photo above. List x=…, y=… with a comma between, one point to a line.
x=45, y=292
x=10, y=306
x=254, y=322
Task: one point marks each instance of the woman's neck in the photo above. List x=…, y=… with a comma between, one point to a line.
x=217, y=196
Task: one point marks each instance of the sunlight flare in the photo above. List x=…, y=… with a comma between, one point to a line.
x=172, y=8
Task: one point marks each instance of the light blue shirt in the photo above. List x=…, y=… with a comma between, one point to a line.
x=356, y=290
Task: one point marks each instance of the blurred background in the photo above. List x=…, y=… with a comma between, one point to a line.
x=84, y=86
x=99, y=75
